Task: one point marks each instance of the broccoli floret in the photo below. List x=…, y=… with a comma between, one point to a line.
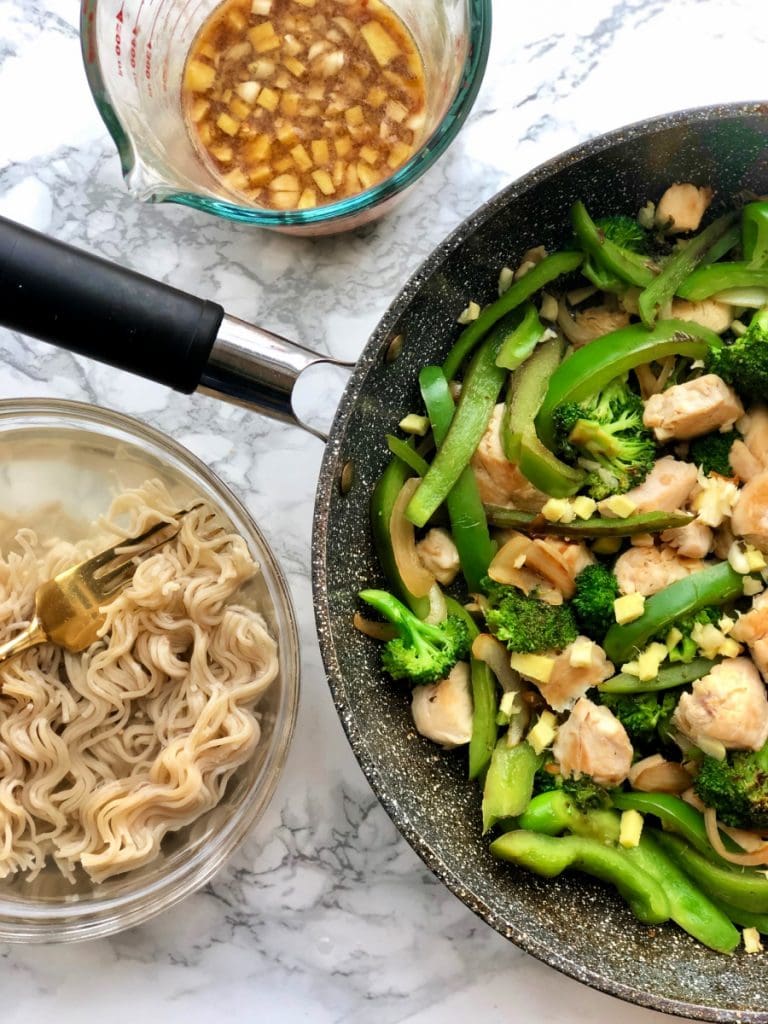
x=624, y=231
x=645, y=716
x=525, y=624
x=712, y=452
x=605, y=435
x=596, y=590
x=737, y=787
x=744, y=364
x=421, y=653
x=584, y=791
x=686, y=649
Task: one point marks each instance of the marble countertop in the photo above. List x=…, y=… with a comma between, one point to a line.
x=325, y=915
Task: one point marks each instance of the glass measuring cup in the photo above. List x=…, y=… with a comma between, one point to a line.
x=134, y=53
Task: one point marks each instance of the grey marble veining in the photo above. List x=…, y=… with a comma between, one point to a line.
x=325, y=915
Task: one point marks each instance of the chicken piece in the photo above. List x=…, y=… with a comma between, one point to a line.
x=693, y=408
x=723, y=539
x=439, y=555
x=568, y=682
x=750, y=456
x=750, y=513
x=443, y=711
x=752, y=629
x=666, y=488
x=728, y=706
x=593, y=742
x=588, y=324
x=682, y=206
x=500, y=481
x=717, y=316
x=646, y=571
x=744, y=464
x=691, y=541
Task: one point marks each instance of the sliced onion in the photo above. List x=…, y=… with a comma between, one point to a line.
x=667, y=366
x=438, y=610
x=414, y=574
x=375, y=630
x=496, y=656
x=507, y=564
x=578, y=336
x=541, y=560
x=751, y=859
x=649, y=385
x=657, y=775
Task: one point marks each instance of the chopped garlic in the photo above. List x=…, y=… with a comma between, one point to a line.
x=737, y=559
x=630, y=668
x=752, y=943
x=631, y=829
x=533, y=666
x=712, y=748
x=558, y=510
x=506, y=277
x=542, y=735
x=415, y=424
x=618, y=506
x=755, y=558
x=729, y=648
x=726, y=624
x=581, y=653
x=584, y=507
x=628, y=608
x=715, y=501
x=508, y=703
x=649, y=660
x=752, y=586
x=472, y=312
x=549, y=307
x=674, y=636
x=707, y=638
x=647, y=215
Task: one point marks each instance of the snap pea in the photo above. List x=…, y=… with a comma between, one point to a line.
x=509, y=782
x=618, y=262
x=676, y=816
x=745, y=889
x=714, y=585
x=482, y=384
x=485, y=703
x=667, y=679
x=550, y=856
x=407, y=454
x=721, y=277
x=680, y=265
x=596, y=526
x=521, y=334
x=469, y=527
x=550, y=268
x=595, y=365
x=754, y=233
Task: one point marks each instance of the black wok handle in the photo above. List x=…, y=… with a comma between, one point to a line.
x=98, y=309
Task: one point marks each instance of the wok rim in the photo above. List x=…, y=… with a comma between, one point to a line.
x=330, y=475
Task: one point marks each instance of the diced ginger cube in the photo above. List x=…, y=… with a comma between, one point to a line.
x=285, y=183
x=198, y=77
x=283, y=80
x=398, y=154
x=286, y=134
x=268, y=98
x=262, y=68
x=377, y=96
x=291, y=45
x=354, y=116
x=228, y=124
x=396, y=111
x=284, y=200
x=346, y=26
x=222, y=153
x=257, y=149
x=284, y=164
x=368, y=177
x=315, y=91
x=338, y=173
x=351, y=179
x=261, y=7
x=248, y=91
x=320, y=152
x=226, y=96
x=380, y=42
x=198, y=110
x=343, y=146
x=205, y=134
x=207, y=50
x=324, y=182
x=263, y=37
x=260, y=175
x=370, y=155
x=307, y=199
x=290, y=103
x=236, y=19
x=305, y=3
x=239, y=108
x=296, y=68
x=301, y=157
x=362, y=69
x=236, y=179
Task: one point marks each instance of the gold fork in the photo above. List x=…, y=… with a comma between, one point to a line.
x=68, y=608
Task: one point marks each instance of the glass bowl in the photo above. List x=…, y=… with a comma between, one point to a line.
x=62, y=462
x=134, y=53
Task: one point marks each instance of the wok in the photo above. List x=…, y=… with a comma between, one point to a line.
x=576, y=925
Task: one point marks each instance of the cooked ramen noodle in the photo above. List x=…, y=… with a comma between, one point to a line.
x=103, y=753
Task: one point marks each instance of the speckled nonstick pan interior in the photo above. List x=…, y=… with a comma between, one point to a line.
x=578, y=926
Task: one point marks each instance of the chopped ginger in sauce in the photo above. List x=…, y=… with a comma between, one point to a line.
x=296, y=103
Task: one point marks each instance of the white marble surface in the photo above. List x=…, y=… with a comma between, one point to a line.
x=325, y=915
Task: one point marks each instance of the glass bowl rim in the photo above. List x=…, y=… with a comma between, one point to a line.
x=479, y=19
x=59, y=921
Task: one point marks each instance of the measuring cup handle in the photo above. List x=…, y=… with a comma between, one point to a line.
x=98, y=309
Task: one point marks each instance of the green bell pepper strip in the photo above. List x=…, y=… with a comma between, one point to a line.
x=722, y=246
x=595, y=527
x=679, y=266
x=518, y=343
x=550, y=268
x=754, y=234
x=407, y=454
x=668, y=678
x=675, y=816
x=746, y=889
x=592, y=367
x=550, y=856
x=469, y=526
x=485, y=704
x=555, y=812
x=616, y=261
x=545, y=471
x=383, y=499
x=714, y=585
x=721, y=277
x=482, y=384
x=508, y=782
x=744, y=918
x=527, y=387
